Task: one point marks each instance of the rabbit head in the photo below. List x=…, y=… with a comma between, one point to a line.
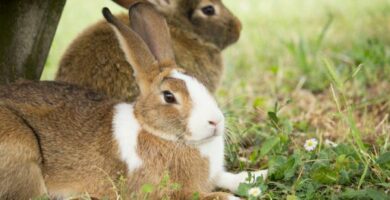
x=171, y=104
x=209, y=19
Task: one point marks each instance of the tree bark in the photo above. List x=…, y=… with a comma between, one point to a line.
x=27, y=29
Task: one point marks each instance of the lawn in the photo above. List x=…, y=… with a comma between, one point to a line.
x=302, y=70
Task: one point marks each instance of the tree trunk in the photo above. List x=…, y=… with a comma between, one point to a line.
x=27, y=29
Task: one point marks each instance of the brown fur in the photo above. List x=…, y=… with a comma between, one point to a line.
x=94, y=59
x=52, y=112
x=22, y=172
x=58, y=139
x=186, y=166
x=72, y=154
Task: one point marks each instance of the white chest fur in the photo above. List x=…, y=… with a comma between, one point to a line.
x=126, y=129
x=214, y=152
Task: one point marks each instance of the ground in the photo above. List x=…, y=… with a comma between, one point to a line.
x=302, y=69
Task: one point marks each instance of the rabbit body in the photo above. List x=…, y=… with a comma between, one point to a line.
x=94, y=59
x=72, y=163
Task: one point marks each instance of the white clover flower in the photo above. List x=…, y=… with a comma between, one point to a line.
x=330, y=143
x=254, y=192
x=311, y=144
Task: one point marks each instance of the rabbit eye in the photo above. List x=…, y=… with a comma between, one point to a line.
x=169, y=97
x=208, y=10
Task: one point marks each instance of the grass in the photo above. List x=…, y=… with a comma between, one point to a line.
x=302, y=69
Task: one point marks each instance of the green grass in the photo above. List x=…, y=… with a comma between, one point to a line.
x=302, y=69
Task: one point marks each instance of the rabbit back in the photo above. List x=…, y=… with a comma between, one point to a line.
x=71, y=130
x=95, y=60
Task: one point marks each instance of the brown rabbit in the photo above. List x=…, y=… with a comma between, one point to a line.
x=200, y=30
x=61, y=140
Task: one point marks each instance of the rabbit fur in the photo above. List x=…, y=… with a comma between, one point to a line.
x=61, y=140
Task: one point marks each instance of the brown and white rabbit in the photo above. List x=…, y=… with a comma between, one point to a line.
x=61, y=140
x=200, y=30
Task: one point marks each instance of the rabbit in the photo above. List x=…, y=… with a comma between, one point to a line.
x=61, y=140
x=200, y=30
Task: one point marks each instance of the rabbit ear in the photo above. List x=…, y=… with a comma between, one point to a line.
x=153, y=29
x=136, y=52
